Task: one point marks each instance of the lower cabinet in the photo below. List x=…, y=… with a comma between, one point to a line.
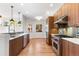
x=28, y=39
x=77, y=50
x=72, y=49
x=15, y=46
x=65, y=48
x=11, y=48
x=69, y=48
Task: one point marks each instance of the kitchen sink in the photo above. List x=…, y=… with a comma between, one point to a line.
x=12, y=34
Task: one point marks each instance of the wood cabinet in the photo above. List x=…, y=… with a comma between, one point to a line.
x=11, y=48
x=65, y=48
x=51, y=26
x=50, y=21
x=72, y=11
x=17, y=44
x=77, y=50
x=26, y=40
x=69, y=48
x=72, y=49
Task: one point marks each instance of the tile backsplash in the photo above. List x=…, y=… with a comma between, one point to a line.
x=70, y=31
x=77, y=30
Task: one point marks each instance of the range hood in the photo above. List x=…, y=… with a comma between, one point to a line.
x=62, y=20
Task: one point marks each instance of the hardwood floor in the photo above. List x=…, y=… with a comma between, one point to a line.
x=37, y=47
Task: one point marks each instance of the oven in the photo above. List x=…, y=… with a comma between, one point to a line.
x=56, y=45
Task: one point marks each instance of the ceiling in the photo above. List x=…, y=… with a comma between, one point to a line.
x=30, y=10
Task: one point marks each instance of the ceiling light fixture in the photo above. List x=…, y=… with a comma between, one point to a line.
x=19, y=14
x=22, y=4
x=38, y=17
x=51, y=5
x=27, y=12
x=12, y=13
x=47, y=12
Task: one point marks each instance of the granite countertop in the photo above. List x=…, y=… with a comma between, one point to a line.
x=17, y=35
x=73, y=40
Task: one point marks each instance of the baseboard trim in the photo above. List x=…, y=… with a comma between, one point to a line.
x=37, y=38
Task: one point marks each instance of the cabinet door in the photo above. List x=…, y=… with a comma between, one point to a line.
x=73, y=13
x=77, y=14
x=15, y=46
x=65, y=48
x=11, y=48
x=27, y=38
x=18, y=45
x=70, y=15
x=21, y=42
x=76, y=50
x=71, y=49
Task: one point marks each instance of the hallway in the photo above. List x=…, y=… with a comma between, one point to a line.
x=37, y=47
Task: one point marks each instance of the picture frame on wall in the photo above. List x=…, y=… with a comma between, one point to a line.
x=38, y=27
x=29, y=27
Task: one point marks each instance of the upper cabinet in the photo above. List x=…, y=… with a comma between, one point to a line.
x=72, y=11
x=77, y=15
x=50, y=21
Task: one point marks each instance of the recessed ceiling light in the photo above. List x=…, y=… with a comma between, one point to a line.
x=22, y=4
x=18, y=10
x=38, y=17
x=27, y=12
x=51, y=5
x=47, y=12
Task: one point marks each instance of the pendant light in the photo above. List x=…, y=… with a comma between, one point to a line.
x=12, y=22
x=12, y=14
x=19, y=22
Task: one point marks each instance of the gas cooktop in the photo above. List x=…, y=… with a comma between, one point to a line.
x=65, y=36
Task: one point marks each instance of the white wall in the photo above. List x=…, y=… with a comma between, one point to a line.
x=35, y=34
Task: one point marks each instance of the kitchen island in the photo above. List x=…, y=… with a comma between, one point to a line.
x=17, y=42
x=12, y=45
